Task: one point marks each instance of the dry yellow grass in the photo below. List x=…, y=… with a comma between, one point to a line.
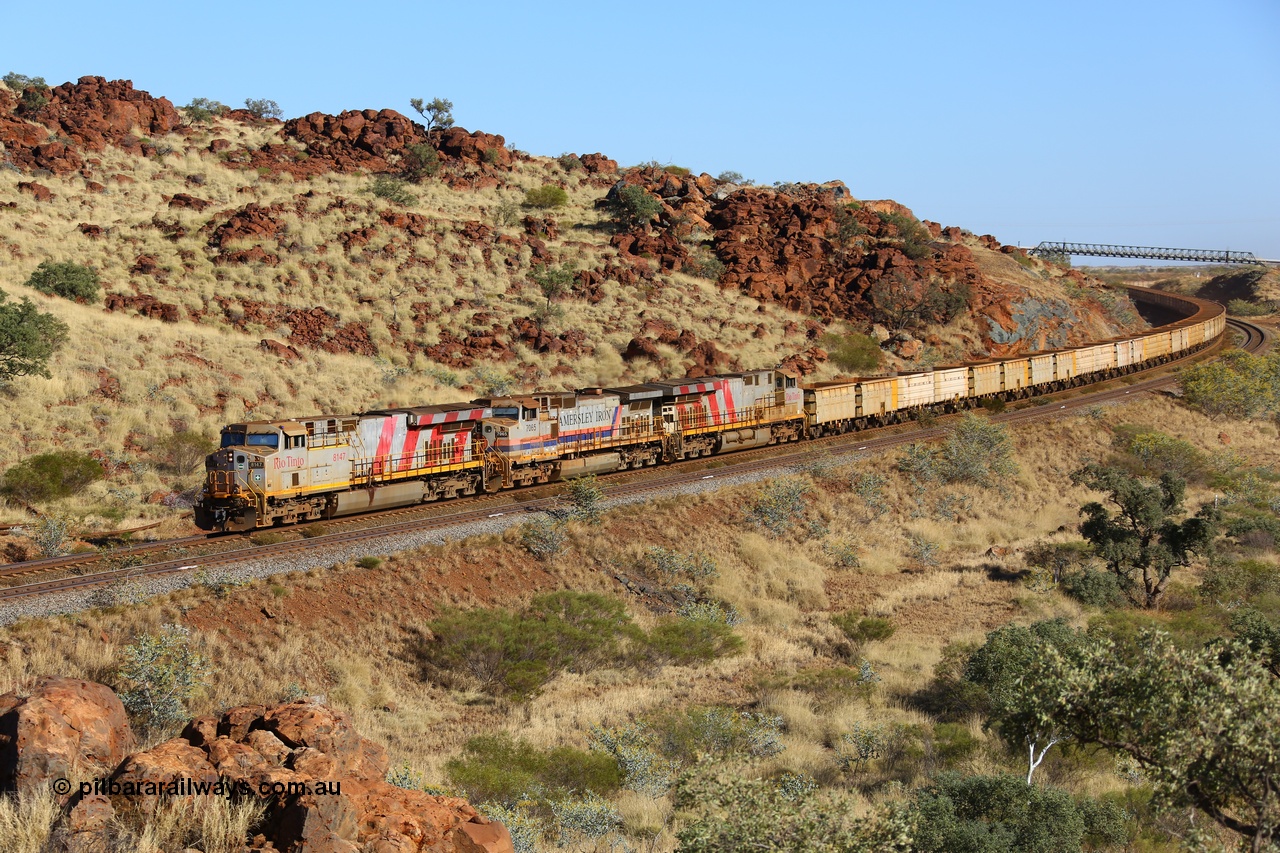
x=346, y=634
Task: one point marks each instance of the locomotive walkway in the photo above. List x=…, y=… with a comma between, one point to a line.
x=1063, y=251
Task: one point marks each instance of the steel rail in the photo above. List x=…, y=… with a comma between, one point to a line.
x=1255, y=339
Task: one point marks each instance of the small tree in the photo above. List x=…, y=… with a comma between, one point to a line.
x=1200, y=722
x=997, y=667
x=28, y=338
x=65, y=279
x=162, y=672
x=554, y=282
x=438, y=112
x=634, y=206
x=1142, y=543
x=263, y=108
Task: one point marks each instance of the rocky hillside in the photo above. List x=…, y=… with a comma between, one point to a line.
x=257, y=268
x=69, y=729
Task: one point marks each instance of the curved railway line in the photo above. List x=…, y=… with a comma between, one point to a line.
x=436, y=516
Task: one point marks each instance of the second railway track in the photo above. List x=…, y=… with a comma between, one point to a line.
x=539, y=499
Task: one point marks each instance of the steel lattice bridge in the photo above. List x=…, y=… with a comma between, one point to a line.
x=1063, y=252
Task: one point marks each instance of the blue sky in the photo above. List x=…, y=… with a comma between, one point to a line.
x=1126, y=122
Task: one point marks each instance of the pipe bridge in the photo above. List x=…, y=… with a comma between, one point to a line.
x=1062, y=252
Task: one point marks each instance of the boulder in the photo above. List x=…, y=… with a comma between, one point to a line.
x=39, y=191
x=62, y=725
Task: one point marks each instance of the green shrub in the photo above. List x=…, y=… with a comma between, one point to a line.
x=51, y=535
x=392, y=189
x=631, y=747
x=367, y=562
x=726, y=811
x=311, y=531
x=66, y=279
x=1244, y=580
x=1093, y=588
x=161, y=672
x=778, y=506
x=33, y=92
x=863, y=629
x=689, y=641
x=847, y=224
x=267, y=538
x=853, y=352
x=633, y=206
x=992, y=814
x=729, y=176
x=915, y=237
x=569, y=162
x=1156, y=453
x=1245, y=308
x=51, y=476
x=517, y=653
x=546, y=196
x=953, y=741
x=976, y=451
x=704, y=264
x=419, y=162
x=543, y=536
x=994, y=405
x=204, y=110
x=182, y=451
x=497, y=768
x=715, y=731
x=1237, y=385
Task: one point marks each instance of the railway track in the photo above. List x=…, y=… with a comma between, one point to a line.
x=540, y=499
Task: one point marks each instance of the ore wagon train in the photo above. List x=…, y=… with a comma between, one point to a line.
x=269, y=473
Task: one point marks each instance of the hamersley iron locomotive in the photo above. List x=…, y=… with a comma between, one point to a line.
x=276, y=472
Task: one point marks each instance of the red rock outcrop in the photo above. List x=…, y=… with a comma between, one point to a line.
x=95, y=112
x=252, y=751
x=62, y=725
x=145, y=304
x=39, y=191
x=84, y=116
x=373, y=140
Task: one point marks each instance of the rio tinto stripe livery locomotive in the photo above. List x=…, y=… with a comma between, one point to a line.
x=305, y=469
